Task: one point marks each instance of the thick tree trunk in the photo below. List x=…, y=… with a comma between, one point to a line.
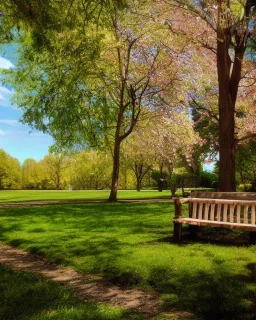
x=226, y=116
x=227, y=180
x=138, y=185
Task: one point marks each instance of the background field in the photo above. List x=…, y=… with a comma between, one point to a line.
x=131, y=244
x=48, y=195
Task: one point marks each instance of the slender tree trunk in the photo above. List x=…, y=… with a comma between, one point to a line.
x=115, y=173
x=116, y=161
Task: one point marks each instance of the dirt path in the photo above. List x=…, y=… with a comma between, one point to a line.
x=88, y=287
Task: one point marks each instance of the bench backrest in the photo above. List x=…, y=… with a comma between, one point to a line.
x=233, y=207
x=224, y=195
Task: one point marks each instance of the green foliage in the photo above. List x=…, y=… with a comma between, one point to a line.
x=246, y=162
x=161, y=178
x=91, y=170
x=208, y=179
x=9, y=171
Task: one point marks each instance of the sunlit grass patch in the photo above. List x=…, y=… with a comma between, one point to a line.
x=26, y=296
x=74, y=195
x=131, y=244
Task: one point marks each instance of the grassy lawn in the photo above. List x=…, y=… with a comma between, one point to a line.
x=26, y=296
x=32, y=195
x=130, y=244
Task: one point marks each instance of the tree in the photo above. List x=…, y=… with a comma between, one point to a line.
x=95, y=85
x=167, y=140
x=229, y=23
x=10, y=175
x=30, y=175
x=55, y=165
x=90, y=169
x=140, y=157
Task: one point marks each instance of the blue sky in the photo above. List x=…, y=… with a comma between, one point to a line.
x=16, y=138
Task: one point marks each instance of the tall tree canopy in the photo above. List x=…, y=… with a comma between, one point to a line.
x=229, y=31
x=94, y=77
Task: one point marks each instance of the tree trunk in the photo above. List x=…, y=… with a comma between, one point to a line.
x=226, y=116
x=138, y=184
x=116, y=160
x=115, y=173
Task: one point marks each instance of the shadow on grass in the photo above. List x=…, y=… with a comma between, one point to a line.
x=26, y=296
x=208, y=296
x=103, y=238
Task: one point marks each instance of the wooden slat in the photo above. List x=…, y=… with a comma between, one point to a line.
x=200, y=211
x=194, y=210
x=212, y=211
x=197, y=222
x=219, y=212
x=231, y=213
x=206, y=211
x=238, y=213
x=224, y=195
x=246, y=214
x=223, y=201
x=225, y=211
x=253, y=215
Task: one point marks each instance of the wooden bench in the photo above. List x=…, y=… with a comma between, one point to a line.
x=232, y=210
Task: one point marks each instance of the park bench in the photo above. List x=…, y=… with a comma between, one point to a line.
x=232, y=210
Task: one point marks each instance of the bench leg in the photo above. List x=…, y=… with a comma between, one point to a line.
x=193, y=231
x=177, y=232
x=253, y=237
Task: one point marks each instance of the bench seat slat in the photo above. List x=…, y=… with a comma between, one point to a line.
x=200, y=222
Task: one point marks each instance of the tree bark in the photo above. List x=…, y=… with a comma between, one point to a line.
x=227, y=180
x=115, y=173
x=116, y=160
x=229, y=76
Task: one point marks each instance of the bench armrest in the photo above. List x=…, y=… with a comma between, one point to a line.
x=178, y=202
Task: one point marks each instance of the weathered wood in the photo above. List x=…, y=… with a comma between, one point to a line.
x=224, y=195
x=212, y=211
x=227, y=210
x=194, y=210
x=206, y=210
x=253, y=215
x=238, y=213
x=177, y=232
x=234, y=225
x=246, y=214
x=178, y=207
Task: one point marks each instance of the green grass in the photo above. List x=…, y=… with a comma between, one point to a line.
x=33, y=195
x=130, y=244
x=26, y=296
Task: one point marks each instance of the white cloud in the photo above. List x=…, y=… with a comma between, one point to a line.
x=2, y=133
x=9, y=122
x=5, y=64
x=4, y=90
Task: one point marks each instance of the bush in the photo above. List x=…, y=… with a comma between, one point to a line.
x=208, y=179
